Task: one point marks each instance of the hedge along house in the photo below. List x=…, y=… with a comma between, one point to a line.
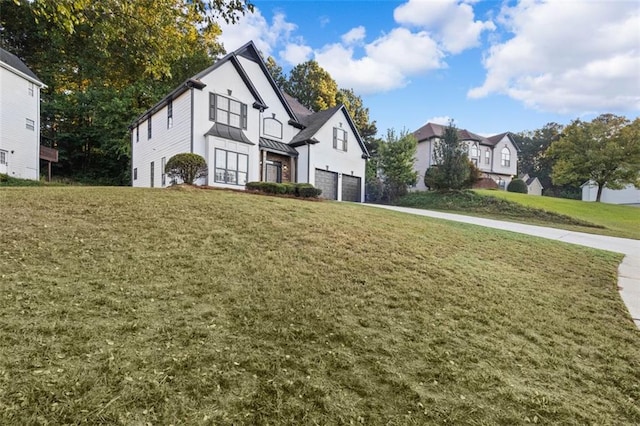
x=19, y=118
x=495, y=156
x=247, y=129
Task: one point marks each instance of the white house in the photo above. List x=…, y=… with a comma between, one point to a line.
x=19, y=118
x=629, y=195
x=495, y=156
x=234, y=115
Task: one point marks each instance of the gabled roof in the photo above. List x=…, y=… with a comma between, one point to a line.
x=248, y=51
x=493, y=140
x=315, y=121
x=14, y=62
x=299, y=110
x=433, y=130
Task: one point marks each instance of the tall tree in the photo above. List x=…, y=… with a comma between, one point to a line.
x=396, y=157
x=451, y=169
x=276, y=72
x=605, y=150
x=532, y=158
x=106, y=62
x=312, y=85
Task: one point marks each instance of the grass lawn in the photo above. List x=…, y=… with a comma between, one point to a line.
x=619, y=221
x=137, y=306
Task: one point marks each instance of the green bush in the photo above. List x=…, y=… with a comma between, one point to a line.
x=518, y=185
x=187, y=167
x=304, y=190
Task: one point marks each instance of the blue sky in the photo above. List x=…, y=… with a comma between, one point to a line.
x=491, y=66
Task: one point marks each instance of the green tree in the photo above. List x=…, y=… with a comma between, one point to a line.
x=451, y=170
x=605, y=150
x=396, y=158
x=359, y=114
x=276, y=72
x=532, y=158
x=106, y=62
x=312, y=85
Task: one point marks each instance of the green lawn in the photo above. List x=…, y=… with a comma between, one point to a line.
x=619, y=221
x=152, y=306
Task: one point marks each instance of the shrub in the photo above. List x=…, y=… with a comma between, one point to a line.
x=187, y=167
x=304, y=190
x=518, y=185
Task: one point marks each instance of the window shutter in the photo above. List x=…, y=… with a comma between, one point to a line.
x=212, y=107
x=243, y=117
x=335, y=138
x=345, y=141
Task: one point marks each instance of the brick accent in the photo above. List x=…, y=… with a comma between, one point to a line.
x=286, y=165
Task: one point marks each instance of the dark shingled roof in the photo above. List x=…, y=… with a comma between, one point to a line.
x=15, y=62
x=228, y=132
x=433, y=130
x=280, y=147
x=298, y=109
x=312, y=124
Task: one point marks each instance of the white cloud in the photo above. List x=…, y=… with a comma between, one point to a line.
x=444, y=120
x=451, y=22
x=389, y=61
x=354, y=35
x=253, y=26
x=567, y=57
x=295, y=54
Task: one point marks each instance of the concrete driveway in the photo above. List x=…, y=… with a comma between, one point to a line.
x=628, y=271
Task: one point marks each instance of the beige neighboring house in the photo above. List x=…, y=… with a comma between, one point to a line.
x=534, y=186
x=19, y=118
x=496, y=156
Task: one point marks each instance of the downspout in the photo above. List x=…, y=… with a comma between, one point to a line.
x=309, y=163
x=192, y=120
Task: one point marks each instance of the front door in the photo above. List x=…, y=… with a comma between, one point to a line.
x=274, y=171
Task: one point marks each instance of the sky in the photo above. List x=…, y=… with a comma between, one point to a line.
x=491, y=66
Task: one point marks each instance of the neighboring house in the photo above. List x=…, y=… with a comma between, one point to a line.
x=628, y=195
x=19, y=118
x=534, y=186
x=495, y=156
x=234, y=115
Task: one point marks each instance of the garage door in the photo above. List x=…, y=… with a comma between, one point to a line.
x=328, y=183
x=351, y=188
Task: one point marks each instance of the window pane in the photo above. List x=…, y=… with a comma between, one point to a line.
x=242, y=178
x=220, y=175
x=221, y=159
x=231, y=177
x=234, y=120
x=242, y=162
x=234, y=107
x=222, y=117
x=232, y=161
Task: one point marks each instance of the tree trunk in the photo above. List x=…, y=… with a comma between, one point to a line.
x=600, y=188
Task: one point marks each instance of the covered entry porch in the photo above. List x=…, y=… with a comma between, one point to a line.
x=277, y=161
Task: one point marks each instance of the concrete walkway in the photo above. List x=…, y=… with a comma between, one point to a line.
x=628, y=271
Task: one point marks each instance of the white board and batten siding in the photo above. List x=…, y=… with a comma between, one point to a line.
x=19, y=124
x=168, y=138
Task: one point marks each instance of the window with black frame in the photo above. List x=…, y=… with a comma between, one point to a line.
x=227, y=111
x=231, y=167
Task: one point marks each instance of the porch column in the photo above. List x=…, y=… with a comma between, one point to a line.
x=263, y=170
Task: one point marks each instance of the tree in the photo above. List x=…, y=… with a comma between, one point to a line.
x=186, y=167
x=605, y=150
x=532, y=158
x=518, y=185
x=276, y=72
x=359, y=114
x=396, y=158
x=451, y=169
x=312, y=86
x=106, y=62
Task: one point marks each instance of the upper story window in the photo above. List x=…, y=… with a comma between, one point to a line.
x=31, y=125
x=272, y=127
x=487, y=157
x=506, y=157
x=474, y=150
x=170, y=114
x=31, y=89
x=227, y=111
x=339, y=139
x=149, y=128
